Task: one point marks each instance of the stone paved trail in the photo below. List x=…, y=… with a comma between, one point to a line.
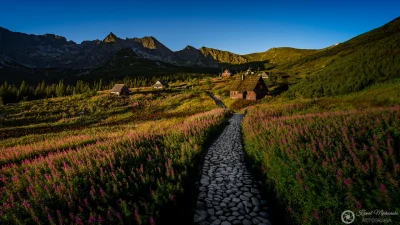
x=228, y=194
x=216, y=100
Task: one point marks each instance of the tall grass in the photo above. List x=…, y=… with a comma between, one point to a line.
x=123, y=180
x=100, y=160
x=321, y=164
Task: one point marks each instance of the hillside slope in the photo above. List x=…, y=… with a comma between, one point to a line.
x=279, y=55
x=367, y=59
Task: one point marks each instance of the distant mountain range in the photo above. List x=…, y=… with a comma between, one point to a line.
x=53, y=51
x=365, y=59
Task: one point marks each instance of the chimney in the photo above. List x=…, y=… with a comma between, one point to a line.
x=242, y=77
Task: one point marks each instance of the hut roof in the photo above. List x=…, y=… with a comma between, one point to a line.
x=161, y=82
x=119, y=88
x=248, y=84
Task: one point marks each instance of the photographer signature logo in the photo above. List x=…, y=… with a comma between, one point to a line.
x=348, y=217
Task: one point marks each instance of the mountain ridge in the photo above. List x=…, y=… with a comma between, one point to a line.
x=53, y=51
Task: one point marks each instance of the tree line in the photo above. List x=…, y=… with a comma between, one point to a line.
x=11, y=93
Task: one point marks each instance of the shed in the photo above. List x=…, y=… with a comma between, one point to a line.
x=120, y=89
x=160, y=84
x=249, y=87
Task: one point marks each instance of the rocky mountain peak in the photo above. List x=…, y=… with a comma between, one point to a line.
x=110, y=38
x=150, y=42
x=189, y=47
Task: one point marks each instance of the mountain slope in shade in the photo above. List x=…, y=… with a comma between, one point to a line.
x=279, y=55
x=151, y=48
x=190, y=56
x=126, y=62
x=370, y=58
x=127, y=58
x=15, y=73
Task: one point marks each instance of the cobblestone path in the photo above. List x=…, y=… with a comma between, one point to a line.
x=228, y=193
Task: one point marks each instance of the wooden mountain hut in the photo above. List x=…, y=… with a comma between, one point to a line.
x=120, y=89
x=226, y=74
x=160, y=84
x=249, y=87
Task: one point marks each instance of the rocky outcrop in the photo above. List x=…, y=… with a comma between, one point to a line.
x=110, y=38
x=223, y=56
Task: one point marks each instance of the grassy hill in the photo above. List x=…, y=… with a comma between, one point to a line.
x=279, y=55
x=367, y=59
x=273, y=55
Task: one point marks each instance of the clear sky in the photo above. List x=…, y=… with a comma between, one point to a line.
x=237, y=26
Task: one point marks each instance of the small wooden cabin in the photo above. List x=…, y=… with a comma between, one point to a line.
x=120, y=89
x=249, y=87
x=226, y=74
x=160, y=84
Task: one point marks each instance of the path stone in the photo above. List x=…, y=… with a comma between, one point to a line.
x=247, y=222
x=228, y=192
x=200, y=215
x=225, y=223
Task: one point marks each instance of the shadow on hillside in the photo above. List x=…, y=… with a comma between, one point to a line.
x=157, y=91
x=256, y=65
x=70, y=76
x=279, y=89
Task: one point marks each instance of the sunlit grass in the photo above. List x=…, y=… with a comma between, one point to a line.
x=117, y=162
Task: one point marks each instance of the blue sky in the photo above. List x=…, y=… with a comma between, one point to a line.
x=237, y=26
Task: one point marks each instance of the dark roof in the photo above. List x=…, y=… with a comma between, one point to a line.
x=119, y=88
x=235, y=85
x=248, y=84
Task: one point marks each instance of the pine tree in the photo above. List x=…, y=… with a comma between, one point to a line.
x=60, y=89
